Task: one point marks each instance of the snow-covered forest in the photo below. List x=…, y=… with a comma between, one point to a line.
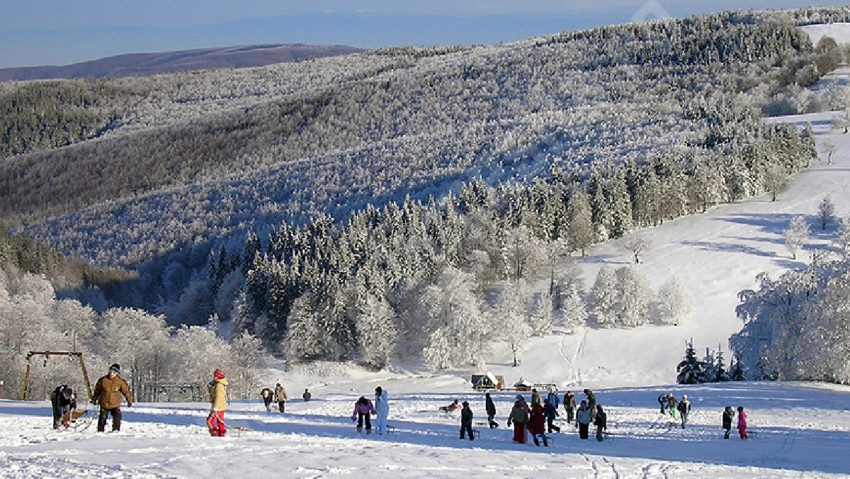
x=400, y=203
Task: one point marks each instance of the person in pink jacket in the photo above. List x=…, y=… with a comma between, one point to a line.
x=363, y=410
x=742, y=422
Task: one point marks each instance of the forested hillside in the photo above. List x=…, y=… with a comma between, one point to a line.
x=344, y=208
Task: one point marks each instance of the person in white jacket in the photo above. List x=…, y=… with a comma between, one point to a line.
x=382, y=410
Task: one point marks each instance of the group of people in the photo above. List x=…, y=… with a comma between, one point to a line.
x=669, y=405
x=364, y=408
x=280, y=397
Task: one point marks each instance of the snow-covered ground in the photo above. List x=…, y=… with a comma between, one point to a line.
x=801, y=430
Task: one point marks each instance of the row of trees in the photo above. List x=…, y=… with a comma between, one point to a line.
x=711, y=369
x=151, y=353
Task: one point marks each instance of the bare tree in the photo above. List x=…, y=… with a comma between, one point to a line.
x=829, y=148
x=637, y=244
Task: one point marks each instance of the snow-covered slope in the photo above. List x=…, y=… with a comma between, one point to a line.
x=840, y=32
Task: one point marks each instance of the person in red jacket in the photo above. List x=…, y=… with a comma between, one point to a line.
x=742, y=422
x=537, y=424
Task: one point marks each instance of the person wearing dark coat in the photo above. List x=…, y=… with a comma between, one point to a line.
x=583, y=420
x=536, y=425
x=466, y=422
x=267, y=396
x=591, y=402
x=491, y=410
x=728, y=417
x=519, y=417
x=684, y=409
x=662, y=401
x=601, y=422
x=551, y=412
x=63, y=401
x=570, y=405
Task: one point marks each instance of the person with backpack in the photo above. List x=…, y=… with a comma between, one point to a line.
x=280, y=397
x=601, y=422
x=537, y=424
x=570, y=405
x=742, y=422
x=684, y=409
x=551, y=413
x=218, y=404
x=363, y=410
x=267, y=396
x=466, y=422
x=63, y=401
x=552, y=397
x=583, y=420
x=107, y=394
x=728, y=417
x=490, y=407
x=519, y=417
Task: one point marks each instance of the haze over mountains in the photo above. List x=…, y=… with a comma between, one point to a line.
x=141, y=64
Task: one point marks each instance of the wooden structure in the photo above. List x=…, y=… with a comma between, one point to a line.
x=71, y=354
x=483, y=382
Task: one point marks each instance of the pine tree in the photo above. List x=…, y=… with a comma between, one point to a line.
x=690, y=370
x=826, y=212
x=377, y=331
x=720, y=373
x=736, y=371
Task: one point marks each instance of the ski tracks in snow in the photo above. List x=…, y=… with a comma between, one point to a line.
x=572, y=360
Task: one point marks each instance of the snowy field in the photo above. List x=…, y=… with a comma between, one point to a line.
x=800, y=430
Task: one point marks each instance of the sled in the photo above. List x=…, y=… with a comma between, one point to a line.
x=71, y=419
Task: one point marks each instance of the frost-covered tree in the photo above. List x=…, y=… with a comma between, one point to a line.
x=636, y=243
x=603, y=298
x=456, y=325
x=138, y=341
x=580, y=231
x=304, y=335
x=574, y=310
x=826, y=212
x=377, y=331
x=672, y=304
x=720, y=373
x=796, y=235
x=510, y=320
x=843, y=238
x=774, y=178
x=633, y=296
x=542, y=315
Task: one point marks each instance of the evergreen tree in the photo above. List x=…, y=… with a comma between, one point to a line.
x=511, y=320
x=720, y=373
x=796, y=235
x=690, y=370
x=603, y=298
x=826, y=212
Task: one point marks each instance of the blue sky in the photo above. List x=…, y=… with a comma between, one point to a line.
x=61, y=32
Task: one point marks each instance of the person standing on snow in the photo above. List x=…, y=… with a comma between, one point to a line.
x=537, y=424
x=601, y=422
x=570, y=405
x=491, y=410
x=306, y=396
x=363, y=409
x=552, y=397
x=382, y=410
x=280, y=397
x=684, y=409
x=535, y=397
x=519, y=417
x=728, y=416
x=671, y=405
x=583, y=420
x=551, y=413
x=466, y=422
x=742, y=422
x=218, y=404
x=662, y=401
x=591, y=402
x=107, y=394
x=267, y=396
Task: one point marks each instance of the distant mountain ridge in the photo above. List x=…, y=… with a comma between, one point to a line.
x=142, y=64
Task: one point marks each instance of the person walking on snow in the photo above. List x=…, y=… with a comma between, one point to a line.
x=591, y=402
x=552, y=397
x=551, y=413
x=382, y=410
x=583, y=420
x=363, y=410
x=267, y=396
x=535, y=397
x=601, y=422
x=570, y=406
x=742, y=422
x=107, y=394
x=537, y=424
x=671, y=405
x=218, y=401
x=662, y=401
x=728, y=416
x=466, y=422
x=306, y=396
x=491, y=410
x=684, y=409
x=280, y=397
x=519, y=417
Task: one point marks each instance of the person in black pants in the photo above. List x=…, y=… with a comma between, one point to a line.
x=491, y=411
x=466, y=421
x=551, y=413
x=63, y=401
